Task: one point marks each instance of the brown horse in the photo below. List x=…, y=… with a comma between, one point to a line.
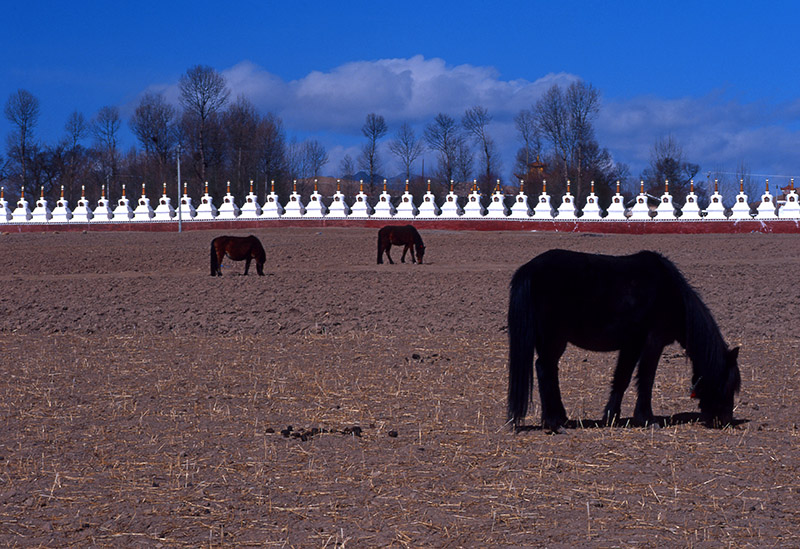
x=405, y=235
x=237, y=248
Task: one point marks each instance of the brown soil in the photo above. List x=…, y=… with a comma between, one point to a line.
x=335, y=402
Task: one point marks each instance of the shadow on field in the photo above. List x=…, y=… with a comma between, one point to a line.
x=682, y=418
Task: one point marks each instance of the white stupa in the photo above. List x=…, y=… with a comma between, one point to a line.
x=123, y=211
x=228, y=209
x=543, y=208
x=591, y=210
x=766, y=210
x=272, y=207
x=791, y=208
x=186, y=210
x=567, y=209
x=741, y=206
x=640, y=210
x=384, y=207
x=206, y=211
x=102, y=212
x=294, y=207
x=361, y=207
x=250, y=209
x=665, y=210
x=82, y=212
x=338, y=207
x=691, y=209
x=41, y=213
x=616, y=210
x=715, y=208
x=428, y=208
x=143, y=211
x=164, y=211
x=406, y=208
x=473, y=208
x=497, y=205
x=22, y=212
x=61, y=213
x=5, y=212
x=521, y=209
x=315, y=206
x=450, y=207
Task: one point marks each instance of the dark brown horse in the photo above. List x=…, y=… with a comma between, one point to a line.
x=405, y=235
x=237, y=248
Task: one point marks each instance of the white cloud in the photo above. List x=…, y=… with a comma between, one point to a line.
x=714, y=129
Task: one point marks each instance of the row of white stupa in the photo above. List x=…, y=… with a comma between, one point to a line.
x=124, y=211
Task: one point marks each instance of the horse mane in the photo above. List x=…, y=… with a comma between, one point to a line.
x=702, y=338
x=417, y=237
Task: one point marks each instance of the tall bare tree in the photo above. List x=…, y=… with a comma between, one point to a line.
x=443, y=136
x=272, y=152
x=241, y=126
x=105, y=129
x=667, y=163
x=153, y=123
x=530, y=136
x=75, y=157
x=203, y=94
x=22, y=110
x=374, y=129
x=475, y=122
x=406, y=147
x=316, y=157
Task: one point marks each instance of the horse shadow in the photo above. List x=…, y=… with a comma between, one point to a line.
x=682, y=418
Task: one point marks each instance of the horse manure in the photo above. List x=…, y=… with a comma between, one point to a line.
x=355, y=430
x=393, y=433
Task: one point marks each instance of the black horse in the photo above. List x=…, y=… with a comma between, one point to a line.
x=400, y=235
x=237, y=248
x=636, y=304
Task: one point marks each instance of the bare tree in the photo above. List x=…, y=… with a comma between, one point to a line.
x=667, y=164
x=203, y=94
x=241, y=126
x=75, y=157
x=475, y=121
x=105, y=129
x=77, y=129
x=565, y=119
x=316, y=156
x=444, y=137
x=272, y=152
x=530, y=136
x=373, y=129
x=406, y=147
x=22, y=110
x=153, y=123
x=347, y=167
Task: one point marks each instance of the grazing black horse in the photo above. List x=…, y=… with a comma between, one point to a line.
x=636, y=304
x=237, y=248
x=405, y=235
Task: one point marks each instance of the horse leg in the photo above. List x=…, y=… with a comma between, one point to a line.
x=388, y=255
x=413, y=256
x=626, y=363
x=648, y=362
x=247, y=261
x=220, y=257
x=554, y=416
x=403, y=257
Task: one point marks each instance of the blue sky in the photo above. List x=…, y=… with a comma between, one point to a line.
x=722, y=77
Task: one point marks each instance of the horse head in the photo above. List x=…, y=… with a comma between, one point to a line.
x=716, y=398
x=420, y=252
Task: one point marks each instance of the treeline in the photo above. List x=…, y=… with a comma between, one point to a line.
x=221, y=139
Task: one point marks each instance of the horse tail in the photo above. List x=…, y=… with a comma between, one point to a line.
x=214, y=264
x=521, y=343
